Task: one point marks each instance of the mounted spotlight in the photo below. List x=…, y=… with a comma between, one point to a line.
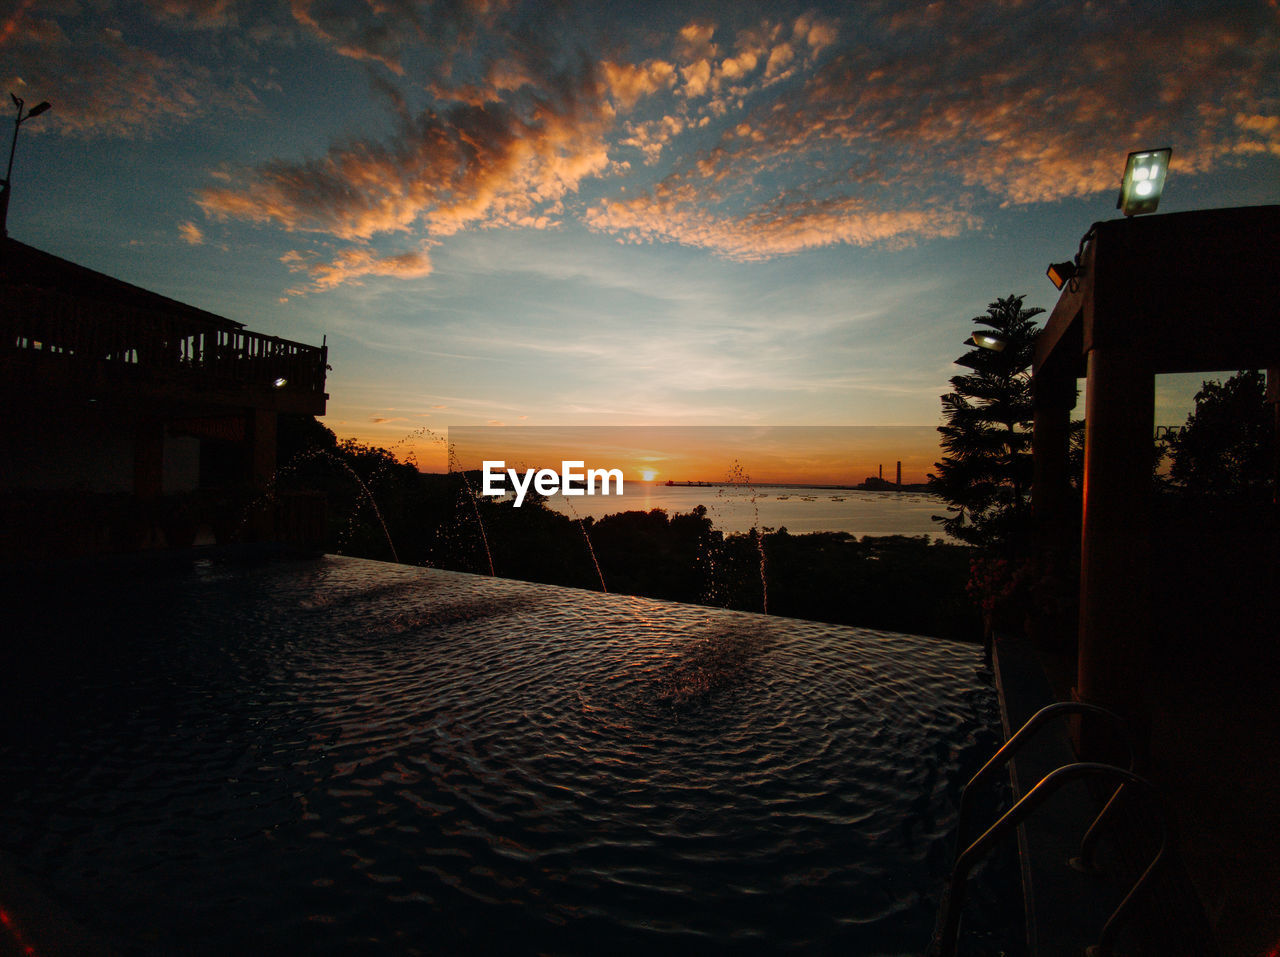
x=1143, y=181
x=1061, y=273
x=989, y=340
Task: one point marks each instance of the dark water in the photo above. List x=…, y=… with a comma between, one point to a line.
x=344, y=756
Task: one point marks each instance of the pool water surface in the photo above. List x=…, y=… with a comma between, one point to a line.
x=345, y=756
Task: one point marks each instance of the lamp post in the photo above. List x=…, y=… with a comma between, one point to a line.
x=4, y=184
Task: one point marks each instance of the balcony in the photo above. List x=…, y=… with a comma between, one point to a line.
x=71, y=332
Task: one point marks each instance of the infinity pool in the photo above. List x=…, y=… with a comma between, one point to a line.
x=345, y=756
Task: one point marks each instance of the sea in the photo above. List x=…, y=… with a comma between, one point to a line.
x=798, y=509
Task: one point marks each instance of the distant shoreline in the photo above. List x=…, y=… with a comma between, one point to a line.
x=886, y=487
x=880, y=486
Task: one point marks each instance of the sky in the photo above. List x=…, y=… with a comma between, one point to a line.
x=623, y=214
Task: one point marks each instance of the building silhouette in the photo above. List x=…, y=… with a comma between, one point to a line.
x=132, y=420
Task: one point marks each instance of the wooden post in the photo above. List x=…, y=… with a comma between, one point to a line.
x=1115, y=588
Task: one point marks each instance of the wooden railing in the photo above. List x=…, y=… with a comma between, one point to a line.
x=39, y=320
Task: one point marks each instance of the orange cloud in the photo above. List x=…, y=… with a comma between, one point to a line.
x=818, y=32
x=897, y=140
x=629, y=82
x=472, y=165
x=697, y=78
x=191, y=233
x=787, y=226
x=352, y=266
x=890, y=126
x=694, y=40
x=651, y=137
x=1042, y=127
x=779, y=58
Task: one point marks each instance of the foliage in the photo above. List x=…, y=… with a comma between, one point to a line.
x=649, y=553
x=1227, y=447
x=1009, y=591
x=985, y=473
x=894, y=582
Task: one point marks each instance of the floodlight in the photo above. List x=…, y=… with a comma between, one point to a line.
x=1061, y=273
x=989, y=340
x=1144, y=174
x=281, y=382
x=37, y=109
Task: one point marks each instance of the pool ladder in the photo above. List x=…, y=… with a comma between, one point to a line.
x=968, y=854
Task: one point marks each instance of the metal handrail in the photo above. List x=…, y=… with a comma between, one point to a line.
x=953, y=900
x=1015, y=743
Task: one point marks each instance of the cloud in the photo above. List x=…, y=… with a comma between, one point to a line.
x=105, y=81
x=1265, y=131
x=945, y=100
x=779, y=58
x=353, y=266
x=694, y=40
x=909, y=131
x=697, y=78
x=191, y=233
x=627, y=82
x=197, y=14
x=650, y=137
x=504, y=164
x=819, y=33
x=361, y=35
x=381, y=32
x=752, y=138
x=788, y=225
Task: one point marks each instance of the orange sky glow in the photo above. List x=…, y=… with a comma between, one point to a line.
x=818, y=455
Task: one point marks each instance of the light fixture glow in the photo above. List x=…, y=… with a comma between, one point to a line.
x=281, y=382
x=1060, y=273
x=1143, y=182
x=989, y=340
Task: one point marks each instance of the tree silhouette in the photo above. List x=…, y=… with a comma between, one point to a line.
x=985, y=473
x=1227, y=447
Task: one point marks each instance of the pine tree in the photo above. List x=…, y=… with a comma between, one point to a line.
x=985, y=473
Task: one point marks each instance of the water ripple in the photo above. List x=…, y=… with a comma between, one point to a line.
x=348, y=756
